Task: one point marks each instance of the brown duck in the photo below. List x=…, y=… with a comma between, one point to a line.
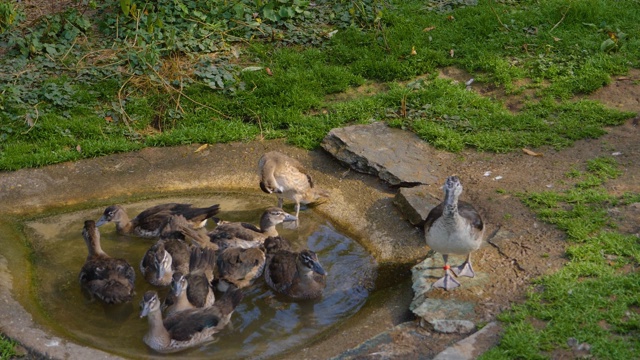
x=152, y=222
x=297, y=275
x=108, y=279
x=187, y=328
x=239, y=234
x=288, y=179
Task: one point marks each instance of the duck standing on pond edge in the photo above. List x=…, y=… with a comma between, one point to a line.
x=454, y=227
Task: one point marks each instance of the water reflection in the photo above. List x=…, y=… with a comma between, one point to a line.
x=263, y=325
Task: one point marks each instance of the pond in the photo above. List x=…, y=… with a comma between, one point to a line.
x=263, y=325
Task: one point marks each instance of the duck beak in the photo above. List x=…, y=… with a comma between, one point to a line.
x=103, y=220
x=145, y=311
x=316, y=267
x=289, y=217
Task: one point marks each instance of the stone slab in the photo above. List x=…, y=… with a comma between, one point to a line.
x=449, y=314
x=415, y=203
x=473, y=346
x=398, y=157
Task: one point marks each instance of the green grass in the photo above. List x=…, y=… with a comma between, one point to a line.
x=56, y=112
x=7, y=348
x=595, y=298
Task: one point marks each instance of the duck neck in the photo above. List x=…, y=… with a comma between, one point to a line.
x=157, y=332
x=95, y=249
x=450, y=203
x=267, y=227
x=123, y=224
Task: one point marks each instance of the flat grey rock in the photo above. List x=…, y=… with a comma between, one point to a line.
x=398, y=157
x=415, y=203
x=473, y=346
x=444, y=315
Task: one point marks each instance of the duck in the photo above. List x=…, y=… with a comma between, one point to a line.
x=454, y=227
x=108, y=279
x=202, y=270
x=296, y=275
x=164, y=258
x=239, y=267
x=152, y=222
x=177, y=299
x=197, y=282
x=188, y=328
x=285, y=177
x=239, y=234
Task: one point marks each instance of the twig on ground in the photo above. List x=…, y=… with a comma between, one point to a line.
x=171, y=88
x=561, y=19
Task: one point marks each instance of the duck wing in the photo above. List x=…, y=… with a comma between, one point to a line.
x=240, y=266
x=281, y=270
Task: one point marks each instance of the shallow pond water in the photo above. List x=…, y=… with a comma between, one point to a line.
x=262, y=326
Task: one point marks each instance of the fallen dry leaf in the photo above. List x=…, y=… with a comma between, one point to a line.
x=413, y=50
x=269, y=71
x=78, y=148
x=428, y=28
x=108, y=118
x=532, y=153
x=202, y=147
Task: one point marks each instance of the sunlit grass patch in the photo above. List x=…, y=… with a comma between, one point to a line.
x=594, y=299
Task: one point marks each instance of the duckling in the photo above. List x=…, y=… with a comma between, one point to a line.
x=288, y=179
x=187, y=328
x=177, y=300
x=239, y=267
x=202, y=266
x=152, y=222
x=454, y=227
x=109, y=279
x=238, y=234
x=297, y=275
x=164, y=258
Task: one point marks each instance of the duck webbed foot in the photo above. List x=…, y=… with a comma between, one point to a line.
x=465, y=269
x=447, y=282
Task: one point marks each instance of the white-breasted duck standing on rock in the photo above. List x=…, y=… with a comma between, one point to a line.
x=296, y=275
x=454, y=227
x=188, y=328
x=239, y=234
x=288, y=179
x=152, y=222
x=109, y=279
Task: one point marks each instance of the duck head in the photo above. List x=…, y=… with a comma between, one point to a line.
x=149, y=303
x=113, y=213
x=274, y=216
x=452, y=189
x=178, y=283
x=309, y=262
x=162, y=261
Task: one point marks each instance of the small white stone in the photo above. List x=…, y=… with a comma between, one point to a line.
x=52, y=343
